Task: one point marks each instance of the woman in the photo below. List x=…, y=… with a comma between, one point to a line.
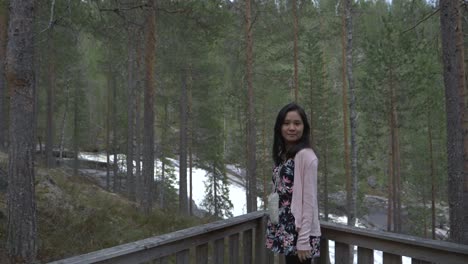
x=297, y=233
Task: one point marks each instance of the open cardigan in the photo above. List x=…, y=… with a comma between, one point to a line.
x=304, y=205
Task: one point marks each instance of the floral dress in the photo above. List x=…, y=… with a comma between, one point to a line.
x=282, y=237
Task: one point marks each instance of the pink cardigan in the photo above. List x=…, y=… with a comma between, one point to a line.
x=304, y=205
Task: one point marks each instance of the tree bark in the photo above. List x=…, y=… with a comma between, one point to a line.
x=4, y=101
x=457, y=126
x=346, y=157
x=22, y=221
x=190, y=137
x=131, y=87
x=50, y=100
x=139, y=85
x=64, y=120
x=296, y=29
x=162, y=190
x=183, y=206
x=115, y=164
x=353, y=113
x=390, y=182
x=462, y=89
x=148, y=130
x=395, y=150
x=215, y=190
x=432, y=173
x=108, y=129
x=251, y=130
x=76, y=131
x=326, y=128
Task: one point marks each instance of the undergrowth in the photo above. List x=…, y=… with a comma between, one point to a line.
x=75, y=217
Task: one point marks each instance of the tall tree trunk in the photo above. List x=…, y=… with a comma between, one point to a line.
x=346, y=157
x=190, y=137
x=432, y=173
x=50, y=100
x=424, y=218
x=148, y=130
x=64, y=119
x=3, y=87
x=266, y=176
x=353, y=113
x=108, y=129
x=296, y=29
x=162, y=190
x=139, y=86
x=21, y=202
x=215, y=190
x=183, y=206
x=395, y=150
x=457, y=126
x=130, y=111
x=390, y=199
x=311, y=89
x=115, y=164
x=251, y=130
x=76, y=131
x=326, y=127
x=464, y=95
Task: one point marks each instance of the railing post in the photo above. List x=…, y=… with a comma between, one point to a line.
x=365, y=256
x=182, y=257
x=234, y=249
x=389, y=258
x=260, y=249
x=418, y=261
x=201, y=253
x=247, y=247
x=219, y=250
x=324, y=252
x=342, y=253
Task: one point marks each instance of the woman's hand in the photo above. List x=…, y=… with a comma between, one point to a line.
x=303, y=255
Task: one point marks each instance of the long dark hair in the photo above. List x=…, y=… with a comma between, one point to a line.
x=279, y=147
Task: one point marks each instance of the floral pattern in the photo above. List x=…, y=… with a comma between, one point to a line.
x=282, y=237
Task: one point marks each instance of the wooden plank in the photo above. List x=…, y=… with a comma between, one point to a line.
x=260, y=249
x=163, y=260
x=418, y=261
x=234, y=249
x=219, y=250
x=324, y=252
x=270, y=258
x=201, y=254
x=398, y=244
x=182, y=257
x=365, y=256
x=342, y=253
x=167, y=244
x=247, y=246
x=389, y=258
x=281, y=259
x=156, y=247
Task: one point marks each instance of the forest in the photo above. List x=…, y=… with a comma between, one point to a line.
x=198, y=84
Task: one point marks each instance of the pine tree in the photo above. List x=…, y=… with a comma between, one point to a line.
x=22, y=220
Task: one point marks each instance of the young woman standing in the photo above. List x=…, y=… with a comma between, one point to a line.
x=297, y=233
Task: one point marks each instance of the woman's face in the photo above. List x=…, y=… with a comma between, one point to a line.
x=292, y=128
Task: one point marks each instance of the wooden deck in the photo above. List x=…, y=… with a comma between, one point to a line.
x=241, y=240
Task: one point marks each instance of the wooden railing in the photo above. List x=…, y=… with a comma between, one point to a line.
x=241, y=240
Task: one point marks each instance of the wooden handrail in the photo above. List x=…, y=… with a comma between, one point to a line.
x=393, y=245
x=251, y=228
x=179, y=241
